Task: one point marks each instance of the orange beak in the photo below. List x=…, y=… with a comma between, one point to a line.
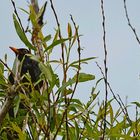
x=14, y=49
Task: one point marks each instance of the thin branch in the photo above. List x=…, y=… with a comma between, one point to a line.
x=127, y=115
x=114, y=96
x=105, y=64
x=65, y=76
x=60, y=36
x=7, y=104
x=15, y=10
x=79, y=57
x=77, y=76
x=129, y=23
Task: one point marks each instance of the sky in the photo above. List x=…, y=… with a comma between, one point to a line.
x=123, y=50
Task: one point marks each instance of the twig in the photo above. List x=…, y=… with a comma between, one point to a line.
x=114, y=96
x=7, y=104
x=105, y=64
x=129, y=23
x=79, y=57
x=5, y=108
x=60, y=36
x=127, y=115
x=15, y=10
x=77, y=76
x=65, y=76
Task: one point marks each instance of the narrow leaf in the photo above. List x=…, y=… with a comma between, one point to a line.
x=55, y=43
x=82, y=60
x=21, y=33
x=83, y=77
x=47, y=38
x=46, y=71
x=69, y=30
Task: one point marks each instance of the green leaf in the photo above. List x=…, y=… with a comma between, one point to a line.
x=75, y=36
x=1, y=68
x=2, y=80
x=69, y=30
x=83, y=77
x=33, y=16
x=81, y=61
x=55, y=43
x=137, y=104
x=47, y=38
x=56, y=35
x=75, y=66
x=21, y=33
x=77, y=131
x=52, y=119
x=111, y=113
x=41, y=12
x=2, y=94
x=17, y=102
x=24, y=10
x=21, y=134
x=46, y=71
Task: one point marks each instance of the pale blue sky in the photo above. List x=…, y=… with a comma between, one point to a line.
x=123, y=49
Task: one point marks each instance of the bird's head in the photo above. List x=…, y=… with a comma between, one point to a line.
x=20, y=53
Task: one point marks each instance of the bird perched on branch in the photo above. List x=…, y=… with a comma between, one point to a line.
x=28, y=66
x=23, y=65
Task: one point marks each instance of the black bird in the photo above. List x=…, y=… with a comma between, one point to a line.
x=30, y=66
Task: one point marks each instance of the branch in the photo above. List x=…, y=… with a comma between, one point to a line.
x=124, y=109
x=129, y=23
x=65, y=77
x=7, y=104
x=105, y=64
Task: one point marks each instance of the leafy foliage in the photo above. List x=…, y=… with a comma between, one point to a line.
x=53, y=111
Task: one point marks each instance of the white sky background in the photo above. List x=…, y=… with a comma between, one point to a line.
x=123, y=49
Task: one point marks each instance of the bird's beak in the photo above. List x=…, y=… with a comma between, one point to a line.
x=15, y=50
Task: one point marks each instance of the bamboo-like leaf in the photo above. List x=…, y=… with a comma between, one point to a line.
x=1, y=68
x=56, y=35
x=137, y=104
x=33, y=16
x=47, y=38
x=55, y=43
x=41, y=13
x=81, y=61
x=46, y=71
x=75, y=36
x=69, y=30
x=83, y=77
x=77, y=130
x=21, y=134
x=21, y=33
x=17, y=102
x=24, y=10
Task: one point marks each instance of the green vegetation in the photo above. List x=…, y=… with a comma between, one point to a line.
x=52, y=111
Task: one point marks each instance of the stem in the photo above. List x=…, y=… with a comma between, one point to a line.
x=105, y=65
x=65, y=76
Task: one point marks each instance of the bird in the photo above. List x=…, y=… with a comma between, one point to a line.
x=30, y=66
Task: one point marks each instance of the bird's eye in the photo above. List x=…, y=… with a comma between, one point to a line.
x=25, y=52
